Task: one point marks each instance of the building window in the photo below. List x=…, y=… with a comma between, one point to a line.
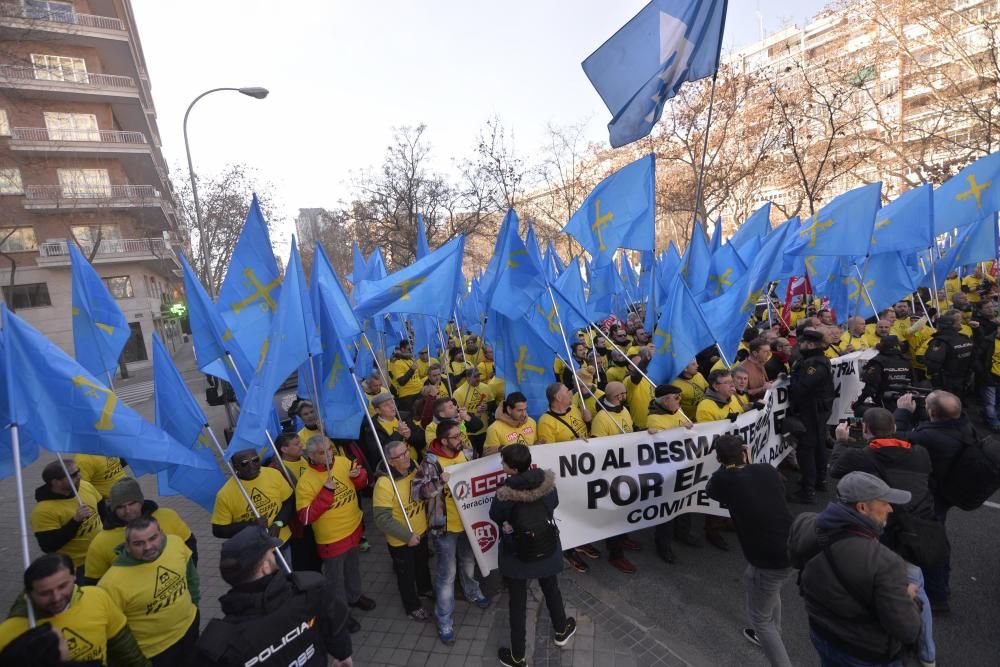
x=59, y=68
x=71, y=126
x=18, y=239
x=10, y=182
x=4, y=123
x=88, y=235
x=49, y=10
x=119, y=286
x=34, y=295
x=84, y=183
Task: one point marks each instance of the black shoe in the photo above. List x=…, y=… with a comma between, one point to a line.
x=507, y=658
x=803, y=497
x=666, y=554
x=688, y=539
x=821, y=485
x=717, y=541
x=751, y=636
x=363, y=603
x=561, y=638
x=353, y=625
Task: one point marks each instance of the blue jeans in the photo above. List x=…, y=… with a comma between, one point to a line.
x=926, y=651
x=832, y=656
x=988, y=397
x=446, y=547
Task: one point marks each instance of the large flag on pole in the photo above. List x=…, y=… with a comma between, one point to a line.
x=9, y=414
x=757, y=225
x=969, y=196
x=906, y=223
x=100, y=329
x=680, y=334
x=423, y=249
x=645, y=63
x=844, y=227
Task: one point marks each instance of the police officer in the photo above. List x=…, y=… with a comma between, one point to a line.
x=949, y=357
x=295, y=618
x=888, y=371
x=811, y=397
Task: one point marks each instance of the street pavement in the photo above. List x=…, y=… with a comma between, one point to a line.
x=688, y=613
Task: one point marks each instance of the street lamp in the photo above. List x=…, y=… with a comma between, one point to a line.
x=253, y=91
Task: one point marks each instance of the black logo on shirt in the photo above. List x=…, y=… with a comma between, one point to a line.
x=79, y=647
x=169, y=587
x=264, y=504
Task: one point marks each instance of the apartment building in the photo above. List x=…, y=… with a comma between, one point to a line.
x=80, y=162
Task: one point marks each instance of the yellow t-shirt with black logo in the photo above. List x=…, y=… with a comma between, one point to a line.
x=101, y=471
x=455, y=524
x=692, y=391
x=637, y=400
x=101, y=553
x=54, y=514
x=471, y=398
x=608, y=423
x=397, y=369
x=268, y=491
x=297, y=467
x=500, y=434
x=569, y=426
x=664, y=422
x=154, y=597
x=384, y=496
x=90, y=620
x=344, y=514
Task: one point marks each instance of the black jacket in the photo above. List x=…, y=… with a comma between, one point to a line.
x=529, y=486
x=293, y=619
x=755, y=497
x=901, y=464
x=810, y=389
x=943, y=440
x=949, y=360
x=887, y=371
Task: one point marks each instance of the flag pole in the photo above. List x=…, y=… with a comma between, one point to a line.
x=246, y=496
x=15, y=445
x=861, y=276
x=381, y=447
x=461, y=340
x=270, y=440
x=394, y=405
x=569, y=351
x=76, y=493
x=630, y=362
x=444, y=351
x=316, y=401
x=937, y=303
x=381, y=371
x=704, y=150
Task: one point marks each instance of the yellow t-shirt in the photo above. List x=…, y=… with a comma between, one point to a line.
x=455, y=524
x=665, y=422
x=471, y=398
x=422, y=366
x=397, y=369
x=305, y=433
x=569, y=426
x=344, y=515
x=101, y=471
x=870, y=339
x=719, y=365
x=90, y=620
x=268, y=491
x=101, y=553
x=709, y=410
x=617, y=373
x=500, y=434
x=498, y=388
x=604, y=423
x=487, y=370
x=54, y=514
x=155, y=597
x=637, y=400
x=857, y=342
x=384, y=496
x=692, y=391
x=296, y=467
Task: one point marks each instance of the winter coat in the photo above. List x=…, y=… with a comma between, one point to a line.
x=943, y=440
x=898, y=462
x=872, y=619
x=276, y=613
x=527, y=487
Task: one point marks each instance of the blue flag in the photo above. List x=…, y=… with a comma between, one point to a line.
x=680, y=334
x=887, y=278
x=906, y=223
x=69, y=410
x=423, y=249
x=520, y=281
x=629, y=276
x=100, y=329
x=843, y=227
x=973, y=244
x=969, y=196
x=324, y=280
x=552, y=264
x=645, y=63
x=531, y=245
x=249, y=294
x=726, y=267
x=728, y=314
x=180, y=416
x=619, y=213
x=429, y=286
x=696, y=265
x=337, y=395
x=488, y=281
x=376, y=269
x=569, y=308
x=757, y=225
x=604, y=287
x=522, y=359
x=664, y=271
x=716, y=241
x=359, y=268
x=292, y=338
x=9, y=414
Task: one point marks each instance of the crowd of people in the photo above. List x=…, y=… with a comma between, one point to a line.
x=119, y=582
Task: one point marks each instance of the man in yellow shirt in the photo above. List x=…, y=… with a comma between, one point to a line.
x=289, y=446
x=511, y=426
x=127, y=504
x=101, y=471
x=720, y=400
x=612, y=417
x=388, y=426
x=435, y=381
x=407, y=543
x=154, y=582
x=639, y=391
x=424, y=361
x=94, y=628
x=271, y=495
x=692, y=385
x=853, y=339
x=487, y=367
x=430, y=486
x=310, y=422
x=373, y=387
x=882, y=328
x=60, y=521
x=476, y=399
x=563, y=421
x=326, y=499
x=405, y=378
x=665, y=410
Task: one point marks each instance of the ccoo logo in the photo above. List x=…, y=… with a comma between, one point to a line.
x=486, y=535
x=462, y=490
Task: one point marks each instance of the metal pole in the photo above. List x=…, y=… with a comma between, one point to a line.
x=394, y=405
x=381, y=449
x=461, y=340
x=15, y=445
x=79, y=501
x=569, y=351
x=937, y=302
x=444, y=351
x=704, y=153
x=630, y=362
x=270, y=440
x=861, y=277
x=246, y=496
x=316, y=401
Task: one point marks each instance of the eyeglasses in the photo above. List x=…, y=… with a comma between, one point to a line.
x=455, y=436
x=246, y=462
x=402, y=454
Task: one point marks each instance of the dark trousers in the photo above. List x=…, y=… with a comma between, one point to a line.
x=615, y=549
x=304, y=554
x=181, y=653
x=517, y=591
x=811, y=452
x=937, y=580
x=413, y=576
x=477, y=440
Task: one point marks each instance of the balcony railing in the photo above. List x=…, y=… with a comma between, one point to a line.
x=65, y=134
x=26, y=73
x=111, y=248
x=10, y=10
x=108, y=193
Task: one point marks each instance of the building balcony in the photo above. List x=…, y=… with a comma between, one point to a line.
x=37, y=18
x=81, y=143
x=46, y=83
x=112, y=251
x=50, y=197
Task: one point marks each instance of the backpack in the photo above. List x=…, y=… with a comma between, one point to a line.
x=535, y=535
x=974, y=475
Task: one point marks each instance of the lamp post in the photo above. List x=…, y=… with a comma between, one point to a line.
x=253, y=91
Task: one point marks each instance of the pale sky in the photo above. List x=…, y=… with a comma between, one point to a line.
x=343, y=74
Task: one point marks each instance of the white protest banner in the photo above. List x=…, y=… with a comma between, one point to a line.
x=847, y=384
x=614, y=484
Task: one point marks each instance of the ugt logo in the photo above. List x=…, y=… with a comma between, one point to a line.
x=486, y=534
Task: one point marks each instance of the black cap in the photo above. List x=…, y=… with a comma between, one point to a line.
x=812, y=336
x=889, y=340
x=248, y=545
x=665, y=390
